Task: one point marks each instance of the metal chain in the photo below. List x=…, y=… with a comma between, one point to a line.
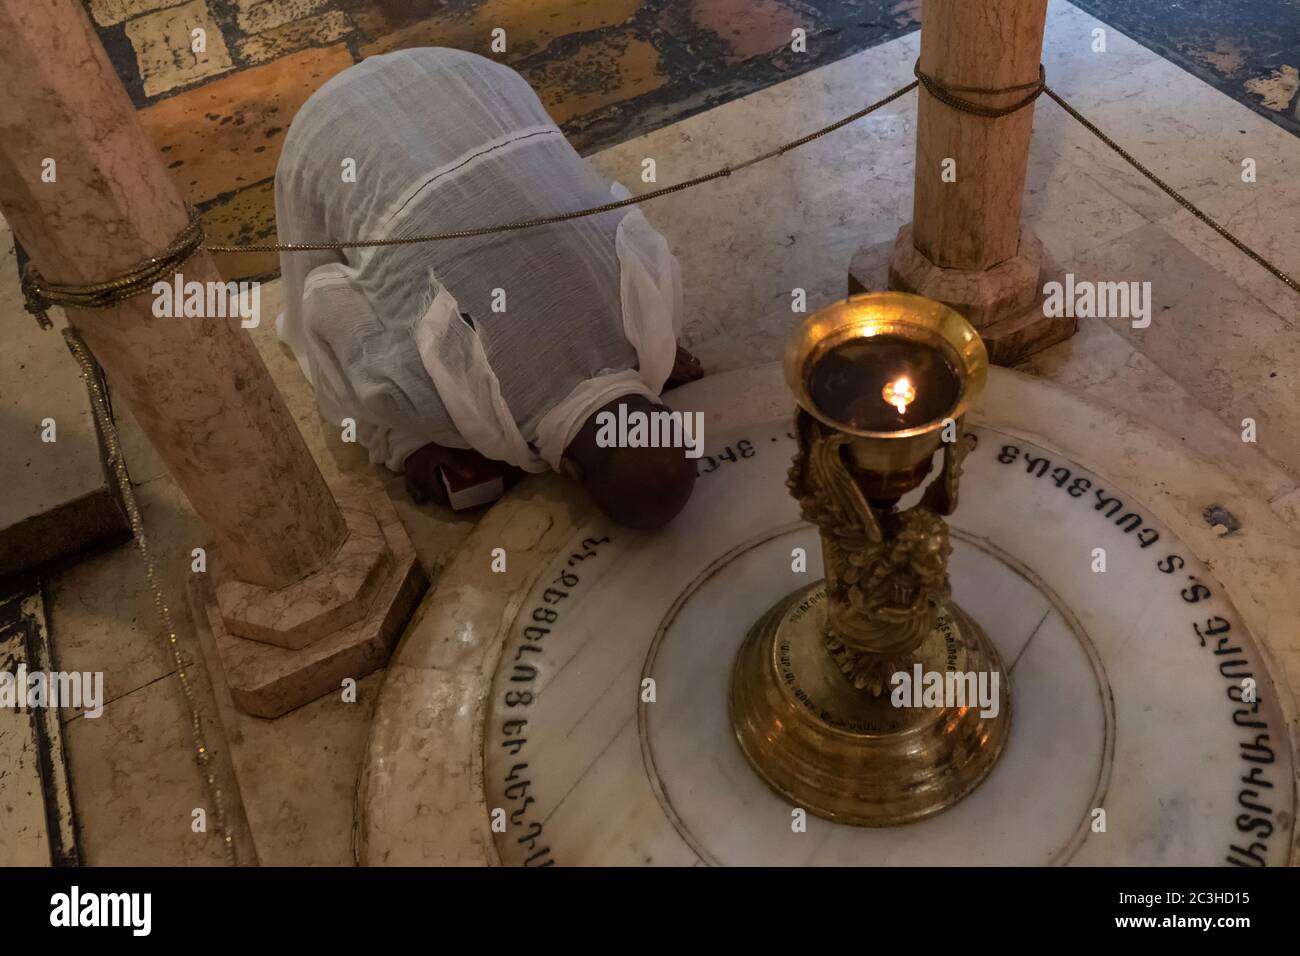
x=947, y=94
x=117, y=463
x=720, y=173
x=39, y=295
x=1172, y=193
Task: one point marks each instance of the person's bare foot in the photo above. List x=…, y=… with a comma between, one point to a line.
x=423, y=482
x=686, y=368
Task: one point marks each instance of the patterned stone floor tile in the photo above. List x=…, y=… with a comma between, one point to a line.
x=1248, y=49
x=608, y=70
x=164, y=47
x=109, y=12
x=618, y=67
x=290, y=37
x=750, y=28
x=226, y=135
x=257, y=16
x=248, y=216
x=529, y=27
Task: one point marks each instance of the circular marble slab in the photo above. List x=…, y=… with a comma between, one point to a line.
x=525, y=693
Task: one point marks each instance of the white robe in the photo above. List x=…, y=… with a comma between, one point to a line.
x=503, y=343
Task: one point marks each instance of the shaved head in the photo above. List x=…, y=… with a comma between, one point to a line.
x=637, y=487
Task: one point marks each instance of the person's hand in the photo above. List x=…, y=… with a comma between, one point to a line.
x=686, y=368
x=423, y=483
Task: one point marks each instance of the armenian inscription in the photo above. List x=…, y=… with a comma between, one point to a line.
x=552, y=751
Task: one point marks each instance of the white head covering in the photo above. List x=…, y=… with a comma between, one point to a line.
x=410, y=340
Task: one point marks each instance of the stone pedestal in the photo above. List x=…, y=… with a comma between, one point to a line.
x=1003, y=303
x=280, y=648
x=966, y=245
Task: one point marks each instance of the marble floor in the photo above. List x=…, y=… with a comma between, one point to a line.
x=1222, y=346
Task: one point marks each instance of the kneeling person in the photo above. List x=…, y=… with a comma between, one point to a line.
x=504, y=347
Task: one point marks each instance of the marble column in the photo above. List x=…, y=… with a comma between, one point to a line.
x=967, y=246
x=87, y=196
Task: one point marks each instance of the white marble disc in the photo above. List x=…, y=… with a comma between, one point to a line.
x=1118, y=705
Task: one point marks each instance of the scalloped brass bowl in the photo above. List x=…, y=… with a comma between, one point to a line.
x=940, y=339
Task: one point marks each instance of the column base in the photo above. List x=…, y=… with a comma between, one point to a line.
x=849, y=755
x=300, y=642
x=1005, y=303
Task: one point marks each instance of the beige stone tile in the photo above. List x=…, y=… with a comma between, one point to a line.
x=101, y=612
x=1233, y=353
x=1102, y=365
x=1146, y=112
x=1075, y=68
x=136, y=783
x=294, y=35
x=1068, y=209
x=298, y=773
x=39, y=379
x=1267, y=225
x=163, y=43
x=108, y=12
x=256, y=16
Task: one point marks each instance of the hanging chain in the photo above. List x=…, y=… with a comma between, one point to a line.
x=117, y=462
x=40, y=295
x=720, y=173
x=1172, y=193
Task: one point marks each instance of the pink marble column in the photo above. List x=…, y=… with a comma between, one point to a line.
x=197, y=385
x=967, y=245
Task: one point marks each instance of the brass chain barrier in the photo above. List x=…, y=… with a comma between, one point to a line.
x=948, y=94
x=117, y=463
x=1172, y=193
x=39, y=295
x=720, y=173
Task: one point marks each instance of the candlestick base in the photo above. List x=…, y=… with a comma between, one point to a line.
x=852, y=756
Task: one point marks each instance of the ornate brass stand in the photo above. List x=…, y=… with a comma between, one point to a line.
x=811, y=690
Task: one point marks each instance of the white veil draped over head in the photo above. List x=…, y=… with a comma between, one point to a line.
x=504, y=343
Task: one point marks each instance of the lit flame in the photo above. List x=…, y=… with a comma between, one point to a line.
x=900, y=393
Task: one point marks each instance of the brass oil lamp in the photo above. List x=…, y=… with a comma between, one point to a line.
x=882, y=382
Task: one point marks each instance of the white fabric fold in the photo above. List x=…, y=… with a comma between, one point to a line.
x=503, y=343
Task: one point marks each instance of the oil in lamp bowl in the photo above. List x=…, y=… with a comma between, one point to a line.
x=846, y=362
